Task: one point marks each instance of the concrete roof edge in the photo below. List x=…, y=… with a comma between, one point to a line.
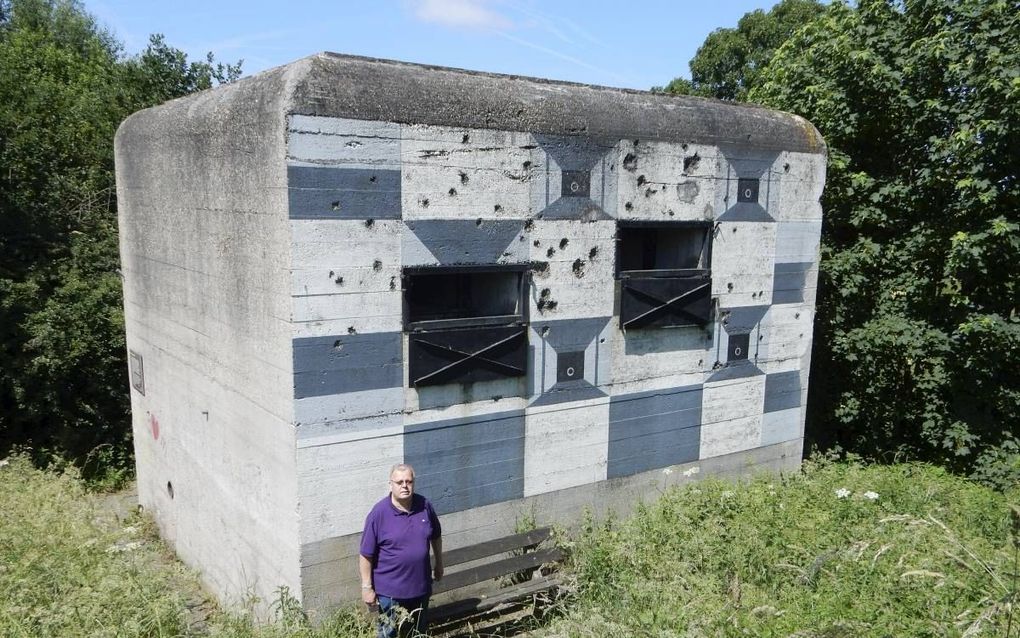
x=355, y=87
x=363, y=88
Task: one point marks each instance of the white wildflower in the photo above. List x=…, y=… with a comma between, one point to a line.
x=871, y=496
x=842, y=492
x=667, y=471
x=727, y=494
x=131, y=530
x=5, y=462
x=692, y=471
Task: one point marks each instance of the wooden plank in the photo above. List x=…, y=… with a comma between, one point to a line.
x=484, y=602
x=488, y=571
x=493, y=547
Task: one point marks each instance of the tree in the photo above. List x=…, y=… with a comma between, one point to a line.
x=917, y=346
x=731, y=61
x=64, y=88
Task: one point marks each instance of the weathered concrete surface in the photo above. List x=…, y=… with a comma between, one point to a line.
x=205, y=251
x=267, y=229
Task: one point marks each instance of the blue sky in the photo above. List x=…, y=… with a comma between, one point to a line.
x=637, y=44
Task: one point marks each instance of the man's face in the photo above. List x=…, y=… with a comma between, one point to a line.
x=401, y=484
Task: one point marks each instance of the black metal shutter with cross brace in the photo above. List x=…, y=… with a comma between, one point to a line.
x=664, y=273
x=465, y=324
x=659, y=301
x=468, y=355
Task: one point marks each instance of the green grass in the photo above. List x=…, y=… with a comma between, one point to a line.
x=932, y=555
x=69, y=568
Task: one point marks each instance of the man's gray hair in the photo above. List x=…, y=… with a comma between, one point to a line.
x=402, y=467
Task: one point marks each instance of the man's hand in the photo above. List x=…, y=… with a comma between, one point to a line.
x=437, y=572
x=369, y=597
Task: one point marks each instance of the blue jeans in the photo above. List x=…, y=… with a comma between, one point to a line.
x=390, y=616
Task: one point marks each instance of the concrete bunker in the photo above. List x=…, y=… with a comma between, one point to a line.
x=548, y=297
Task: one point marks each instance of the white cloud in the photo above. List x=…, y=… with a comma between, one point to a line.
x=472, y=14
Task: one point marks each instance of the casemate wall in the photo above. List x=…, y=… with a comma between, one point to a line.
x=547, y=297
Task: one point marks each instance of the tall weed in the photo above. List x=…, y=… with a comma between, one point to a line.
x=838, y=550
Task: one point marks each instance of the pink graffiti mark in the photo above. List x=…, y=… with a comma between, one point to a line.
x=154, y=426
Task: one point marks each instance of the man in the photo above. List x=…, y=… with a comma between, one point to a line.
x=394, y=561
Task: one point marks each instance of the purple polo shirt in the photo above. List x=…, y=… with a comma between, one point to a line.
x=397, y=543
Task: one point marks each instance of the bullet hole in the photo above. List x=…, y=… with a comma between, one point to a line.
x=393, y=283
x=170, y=489
x=629, y=206
x=336, y=205
x=377, y=265
x=453, y=192
x=630, y=162
x=786, y=168
x=650, y=191
x=578, y=268
x=339, y=281
x=478, y=222
x=541, y=267
x=338, y=345
x=670, y=212
x=563, y=243
x=729, y=286
x=683, y=146
x=641, y=181
x=497, y=397
x=536, y=243
x=372, y=179
x=691, y=163
x=552, y=306
x=520, y=238
x=463, y=177
x=796, y=316
x=540, y=305
x=754, y=295
x=540, y=216
x=497, y=208
x=734, y=229
x=369, y=223
x=701, y=362
x=594, y=251
x=465, y=139
x=526, y=164
x=602, y=340
x=351, y=330
x=761, y=337
x=550, y=252
x=331, y=273
x=545, y=293
x=424, y=201
x=528, y=225
x=687, y=191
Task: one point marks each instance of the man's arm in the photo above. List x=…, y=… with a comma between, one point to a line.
x=367, y=592
x=437, y=553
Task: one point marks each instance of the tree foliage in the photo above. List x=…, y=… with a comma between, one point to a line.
x=917, y=342
x=731, y=61
x=64, y=88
